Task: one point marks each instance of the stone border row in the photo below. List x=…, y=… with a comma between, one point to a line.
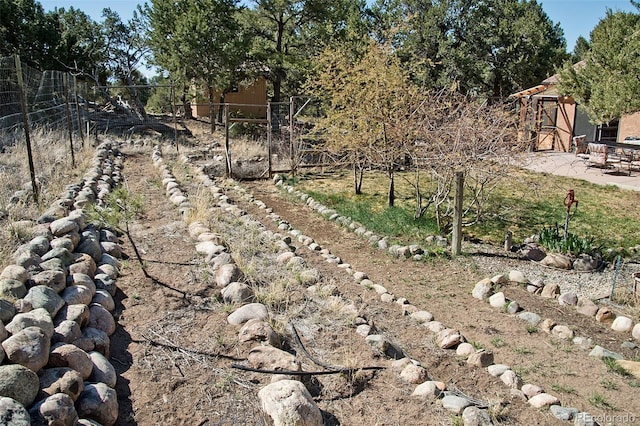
x=446, y=338
x=414, y=251
x=252, y=315
x=534, y=394
x=484, y=290
x=56, y=310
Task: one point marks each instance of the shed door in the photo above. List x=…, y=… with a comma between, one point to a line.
x=546, y=120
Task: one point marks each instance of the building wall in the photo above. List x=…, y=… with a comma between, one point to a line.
x=251, y=101
x=629, y=126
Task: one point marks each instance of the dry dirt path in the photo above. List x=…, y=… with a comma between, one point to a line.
x=174, y=353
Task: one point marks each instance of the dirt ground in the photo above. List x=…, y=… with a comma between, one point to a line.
x=174, y=349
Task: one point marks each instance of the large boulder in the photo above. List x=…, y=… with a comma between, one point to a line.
x=12, y=289
x=13, y=413
x=19, y=383
x=29, y=347
x=42, y=296
x=67, y=355
x=557, y=261
x=61, y=380
x=103, y=371
x=270, y=358
x=54, y=279
x=98, y=402
x=288, y=402
x=101, y=319
x=587, y=263
x=36, y=318
x=57, y=409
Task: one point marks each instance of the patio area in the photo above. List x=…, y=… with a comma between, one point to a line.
x=570, y=165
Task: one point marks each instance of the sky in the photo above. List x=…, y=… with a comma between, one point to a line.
x=576, y=17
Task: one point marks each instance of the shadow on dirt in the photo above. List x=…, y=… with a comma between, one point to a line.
x=122, y=360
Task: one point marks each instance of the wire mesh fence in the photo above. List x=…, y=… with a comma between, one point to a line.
x=33, y=99
x=258, y=139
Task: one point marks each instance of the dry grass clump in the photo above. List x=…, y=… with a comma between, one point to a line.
x=280, y=295
x=53, y=171
x=247, y=149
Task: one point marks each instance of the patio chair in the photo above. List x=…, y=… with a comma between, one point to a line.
x=580, y=146
x=597, y=155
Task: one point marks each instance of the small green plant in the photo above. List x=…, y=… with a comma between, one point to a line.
x=476, y=345
x=609, y=384
x=599, y=401
x=498, y=342
x=562, y=388
x=531, y=329
x=614, y=367
x=522, y=350
x=553, y=240
x=119, y=209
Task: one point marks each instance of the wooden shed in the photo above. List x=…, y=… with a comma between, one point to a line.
x=549, y=121
x=249, y=100
x=546, y=119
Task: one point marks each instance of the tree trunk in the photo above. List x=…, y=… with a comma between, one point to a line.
x=277, y=87
x=358, y=173
x=220, y=108
x=136, y=98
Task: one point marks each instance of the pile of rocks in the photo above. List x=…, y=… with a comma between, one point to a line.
x=56, y=305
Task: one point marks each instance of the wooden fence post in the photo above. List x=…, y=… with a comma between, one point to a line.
x=174, y=112
x=65, y=88
x=25, y=124
x=227, y=151
x=269, y=137
x=456, y=241
x=292, y=137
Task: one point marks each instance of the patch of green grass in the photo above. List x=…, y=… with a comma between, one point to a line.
x=599, y=401
x=476, y=345
x=396, y=222
x=609, y=384
x=614, y=367
x=556, y=387
x=531, y=329
x=498, y=342
x=524, y=204
x=522, y=350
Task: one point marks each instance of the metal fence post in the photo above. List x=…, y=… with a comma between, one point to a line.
x=75, y=93
x=227, y=151
x=25, y=123
x=269, y=141
x=65, y=87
